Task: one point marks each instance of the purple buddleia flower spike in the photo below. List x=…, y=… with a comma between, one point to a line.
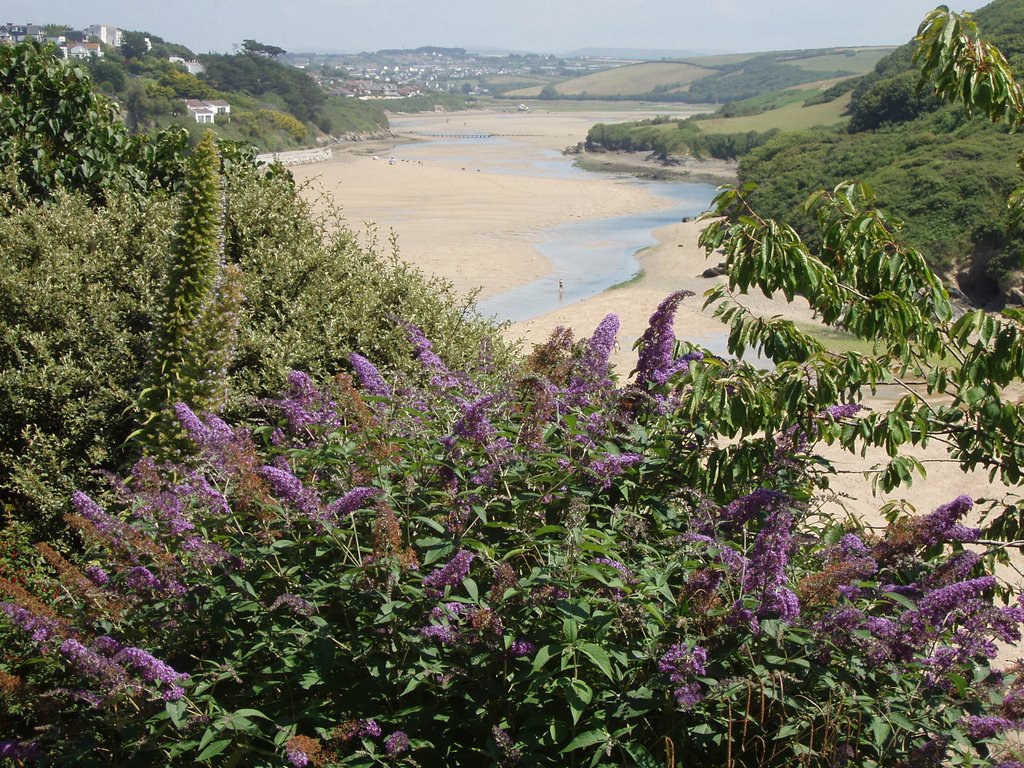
x=939, y=603
x=114, y=530
x=613, y=465
x=296, y=756
x=193, y=425
x=290, y=489
x=521, y=647
x=40, y=628
x=396, y=743
x=305, y=406
x=473, y=424
x=985, y=727
x=655, y=364
x=592, y=373
x=97, y=575
x=369, y=376
x=219, y=444
x=351, y=501
x=841, y=411
x=755, y=505
x=451, y=574
x=369, y=729
x=943, y=525
x=442, y=378
x=682, y=663
x=154, y=670
x=293, y=603
x=93, y=665
x=25, y=751
x=766, y=571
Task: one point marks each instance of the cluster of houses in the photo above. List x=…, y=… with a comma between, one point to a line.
x=88, y=43
x=75, y=44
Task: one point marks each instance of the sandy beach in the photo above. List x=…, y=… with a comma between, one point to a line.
x=478, y=228
x=475, y=226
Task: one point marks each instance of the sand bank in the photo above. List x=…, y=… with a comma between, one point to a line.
x=473, y=222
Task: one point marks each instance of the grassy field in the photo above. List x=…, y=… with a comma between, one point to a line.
x=793, y=117
x=630, y=79
x=721, y=60
x=675, y=111
x=861, y=62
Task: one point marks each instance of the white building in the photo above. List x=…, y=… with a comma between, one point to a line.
x=106, y=35
x=84, y=51
x=206, y=111
x=193, y=67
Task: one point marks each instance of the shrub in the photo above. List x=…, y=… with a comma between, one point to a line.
x=81, y=287
x=441, y=573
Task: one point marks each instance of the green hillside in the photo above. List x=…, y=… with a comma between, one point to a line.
x=946, y=174
x=859, y=60
x=273, y=106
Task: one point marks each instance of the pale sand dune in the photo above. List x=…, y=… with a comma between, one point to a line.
x=476, y=228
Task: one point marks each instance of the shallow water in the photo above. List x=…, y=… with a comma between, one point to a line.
x=588, y=257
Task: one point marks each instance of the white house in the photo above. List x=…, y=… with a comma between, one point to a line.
x=193, y=67
x=205, y=111
x=85, y=51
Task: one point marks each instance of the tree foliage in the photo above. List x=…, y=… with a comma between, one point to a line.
x=259, y=75
x=58, y=133
x=947, y=176
x=84, y=266
x=861, y=279
x=446, y=564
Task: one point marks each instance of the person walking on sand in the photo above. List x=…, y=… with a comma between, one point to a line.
x=561, y=285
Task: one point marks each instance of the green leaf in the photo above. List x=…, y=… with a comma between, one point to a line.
x=544, y=655
x=587, y=739
x=599, y=656
x=880, y=730
x=213, y=749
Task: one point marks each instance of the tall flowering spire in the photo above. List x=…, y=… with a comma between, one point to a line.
x=592, y=374
x=656, y=364
x=766, y=571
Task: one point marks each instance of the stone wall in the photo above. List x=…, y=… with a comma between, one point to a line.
x=296, y=157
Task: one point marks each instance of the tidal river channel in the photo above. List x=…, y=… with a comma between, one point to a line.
x=586, y=257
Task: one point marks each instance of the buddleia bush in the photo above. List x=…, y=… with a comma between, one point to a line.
x=433, y=569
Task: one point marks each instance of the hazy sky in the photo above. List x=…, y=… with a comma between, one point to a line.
x=542, y=26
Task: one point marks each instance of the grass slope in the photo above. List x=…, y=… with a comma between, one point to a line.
x=792, y=117
x=635, y=79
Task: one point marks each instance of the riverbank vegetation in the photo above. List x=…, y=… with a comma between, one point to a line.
x=428, y=551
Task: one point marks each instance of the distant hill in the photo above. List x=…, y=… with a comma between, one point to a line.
x=635, y=54
x=715, y=79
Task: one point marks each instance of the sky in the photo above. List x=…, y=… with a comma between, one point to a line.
x=538, y=26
